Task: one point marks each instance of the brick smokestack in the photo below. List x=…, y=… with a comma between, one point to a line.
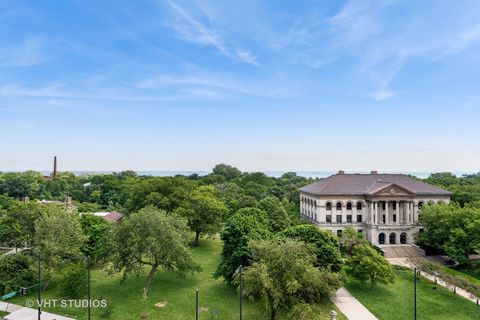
x=54, y=167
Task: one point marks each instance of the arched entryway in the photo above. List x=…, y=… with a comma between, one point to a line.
x=381, y=238
x=403, y=238
x=392, y=238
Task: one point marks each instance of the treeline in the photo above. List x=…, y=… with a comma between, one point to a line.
x=128, y=192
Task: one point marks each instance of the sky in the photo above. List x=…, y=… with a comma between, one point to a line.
x=262, y=85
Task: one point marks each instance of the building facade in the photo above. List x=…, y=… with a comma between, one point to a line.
x=385, y=207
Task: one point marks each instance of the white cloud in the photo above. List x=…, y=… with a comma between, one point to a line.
x=30, y=52
x=248, y=57
x=382, y=94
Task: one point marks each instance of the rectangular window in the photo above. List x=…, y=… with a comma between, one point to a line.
x=349, y=218
x=329, y=218
x=394, y=218
x=339, y=218
x=384, y=206
x=359, y=218
x=394, y=206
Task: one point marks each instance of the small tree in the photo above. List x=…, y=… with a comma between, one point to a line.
x=151, y=238
x=204, y=210
x=350, y=239
x=228, y=171
x=283, y=276
x=74, y=280
x=367, y=264
x=58, y=235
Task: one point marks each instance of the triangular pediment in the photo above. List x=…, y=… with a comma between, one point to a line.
x=391, y=189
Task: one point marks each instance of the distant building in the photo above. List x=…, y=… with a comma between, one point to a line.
x=112, y=216
x=384, y=207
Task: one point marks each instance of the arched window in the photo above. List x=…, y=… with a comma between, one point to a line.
x=420, y=204
x=349, y=206
x=392, y=238
x=329, y=206
x=339, y=206
x=359, y=206
x=403, y=238
x=381, y=238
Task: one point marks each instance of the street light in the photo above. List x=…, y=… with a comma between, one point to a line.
x=240, y=271
x=415, y=294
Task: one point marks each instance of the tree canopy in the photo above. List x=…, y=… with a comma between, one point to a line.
x=284, y=277
x=151, y=237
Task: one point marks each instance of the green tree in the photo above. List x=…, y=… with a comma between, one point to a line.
x=366, y=264
x=284, y=277
x=350, y=239
x=325, y=245
x=454, y=229
x=204, y=210
x=277, y=215
x=74, y=282
x=58, y=235
x=16, y=270
x=227, y=171
x=241, y=228
x=151, y=237
x=95, y=230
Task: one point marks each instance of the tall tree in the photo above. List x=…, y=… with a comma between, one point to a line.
x=278, y=218
x=324, y=244
x=229, y=172
x=283, y=276
x=153, y=238
x=58, y=235
x=204, y=210
x=242, y=227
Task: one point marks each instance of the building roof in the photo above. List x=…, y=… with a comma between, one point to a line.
x=369, y=184
x=113, y=216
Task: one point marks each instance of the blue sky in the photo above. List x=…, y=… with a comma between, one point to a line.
x=263, y=85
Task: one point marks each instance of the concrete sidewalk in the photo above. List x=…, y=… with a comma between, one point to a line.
x=351, y=307
x=23, y=313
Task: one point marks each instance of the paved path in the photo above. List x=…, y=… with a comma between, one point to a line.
x=405, y=263
x=23, y=313
x=351, y=307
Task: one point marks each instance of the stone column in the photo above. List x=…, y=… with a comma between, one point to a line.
x=387, y=220
x=375, y=214
x=397, y=212
x=410, y=212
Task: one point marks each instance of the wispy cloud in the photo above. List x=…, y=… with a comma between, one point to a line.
x=30, y=52
x=193, y=30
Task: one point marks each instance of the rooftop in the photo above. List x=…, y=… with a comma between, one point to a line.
x=368, y=184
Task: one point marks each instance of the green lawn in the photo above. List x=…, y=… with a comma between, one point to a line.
x=395, y=301
x=3, y=313
x=178, y=293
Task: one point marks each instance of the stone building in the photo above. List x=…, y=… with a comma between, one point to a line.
x=385, y=207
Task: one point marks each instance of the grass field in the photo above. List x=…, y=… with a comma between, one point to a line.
x=395, y=301
x=179, y=294
x=3, y=314
x=462, y=274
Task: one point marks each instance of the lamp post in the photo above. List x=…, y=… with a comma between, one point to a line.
x=415, y=294
x=196, y=304
x=39, y=287
x=241, y=293
x=239, y=271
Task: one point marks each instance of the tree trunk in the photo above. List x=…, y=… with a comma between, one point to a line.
x=146, y=290
x=273, y=316
x=197, y=236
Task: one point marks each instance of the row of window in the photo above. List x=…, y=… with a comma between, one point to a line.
x=339, y=232
x=339, y=218
x=339, y=206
